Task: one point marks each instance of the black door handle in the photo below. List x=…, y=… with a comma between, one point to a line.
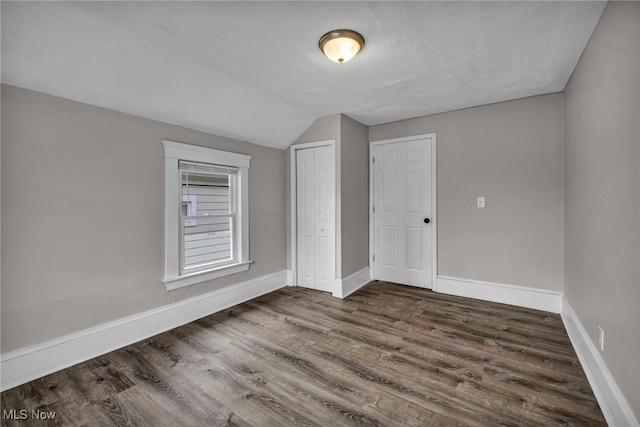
x=427, y=220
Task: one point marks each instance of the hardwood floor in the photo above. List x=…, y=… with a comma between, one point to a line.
x=387, y=355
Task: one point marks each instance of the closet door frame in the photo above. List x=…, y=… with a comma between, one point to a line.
x=292, y=279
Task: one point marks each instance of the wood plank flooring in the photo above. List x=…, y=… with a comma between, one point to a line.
x=388, y=355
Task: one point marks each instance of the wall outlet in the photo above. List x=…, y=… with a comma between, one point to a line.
x=480, y=202
x=601, y=338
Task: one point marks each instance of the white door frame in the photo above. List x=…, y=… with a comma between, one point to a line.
x=293, y=231
x=434, y=199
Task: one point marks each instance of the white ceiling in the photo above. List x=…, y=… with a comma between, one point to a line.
x=253, y=71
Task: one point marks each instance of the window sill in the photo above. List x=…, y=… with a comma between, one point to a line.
x=202, y=276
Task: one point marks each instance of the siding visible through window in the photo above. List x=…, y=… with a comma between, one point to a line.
x=189, y=208
x=208, y=223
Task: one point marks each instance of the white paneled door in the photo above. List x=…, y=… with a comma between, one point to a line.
x=402, y=212
x=316, y=198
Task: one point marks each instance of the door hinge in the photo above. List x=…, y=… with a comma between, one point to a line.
x=374, y=208
x=373, y=160
x=374, y=258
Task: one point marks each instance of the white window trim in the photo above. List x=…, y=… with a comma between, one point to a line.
x=174, y=151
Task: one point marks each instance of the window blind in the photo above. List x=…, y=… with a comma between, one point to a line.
x=193, y=168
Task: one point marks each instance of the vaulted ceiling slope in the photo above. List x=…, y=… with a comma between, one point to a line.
x=253, y=71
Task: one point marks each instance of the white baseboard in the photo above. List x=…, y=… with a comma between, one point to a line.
x=614, y=406
x=27, y=364
x=290, y=281
x=341, y=288
x=539, y=299
x=350, y=284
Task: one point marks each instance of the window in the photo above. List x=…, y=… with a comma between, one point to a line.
x=206, y=214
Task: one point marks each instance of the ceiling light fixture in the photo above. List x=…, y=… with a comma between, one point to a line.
x=341, y=45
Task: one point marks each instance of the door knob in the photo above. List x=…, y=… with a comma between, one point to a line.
x=427, y=220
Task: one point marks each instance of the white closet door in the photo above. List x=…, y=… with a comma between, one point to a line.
x=315, y=184
x=402, y=228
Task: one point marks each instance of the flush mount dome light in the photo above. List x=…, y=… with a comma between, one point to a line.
x=341, y=45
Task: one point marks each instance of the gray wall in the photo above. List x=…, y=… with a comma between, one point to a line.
x=322, y=129
x=83, y=215
x=602, y=174
x=512, y=154
x=355, y=195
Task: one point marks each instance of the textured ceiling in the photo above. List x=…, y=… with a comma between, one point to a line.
x=253, y=71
